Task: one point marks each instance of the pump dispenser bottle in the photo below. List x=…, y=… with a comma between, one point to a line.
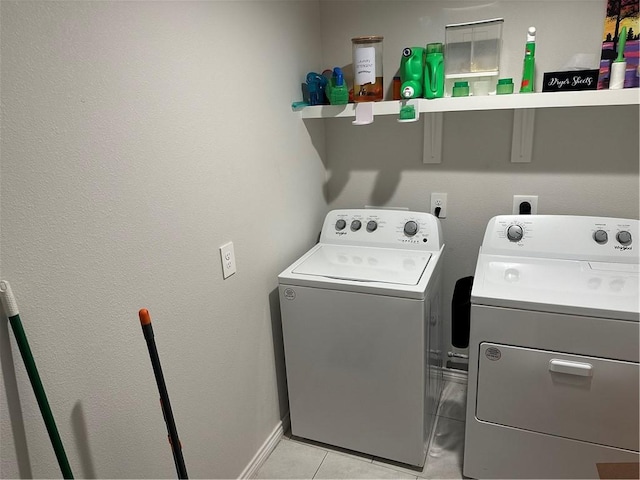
x=528, y=68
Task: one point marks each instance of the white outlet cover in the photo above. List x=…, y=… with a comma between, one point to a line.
x=518, y=199
x=228, y=258
x=439, y=200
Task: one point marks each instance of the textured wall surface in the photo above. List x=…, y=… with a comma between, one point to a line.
x=138, y=137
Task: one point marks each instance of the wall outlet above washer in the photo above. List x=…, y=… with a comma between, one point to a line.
x=439, y=205
x=519, y=199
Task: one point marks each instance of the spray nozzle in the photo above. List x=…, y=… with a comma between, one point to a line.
x=531, y=34
x=339, y=77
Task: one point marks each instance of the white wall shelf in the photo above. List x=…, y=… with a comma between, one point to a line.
x=588, y=98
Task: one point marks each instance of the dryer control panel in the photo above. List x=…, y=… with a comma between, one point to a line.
x=564, y=236
x=382, y=228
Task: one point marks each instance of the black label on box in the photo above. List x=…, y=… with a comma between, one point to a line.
x=570, y=81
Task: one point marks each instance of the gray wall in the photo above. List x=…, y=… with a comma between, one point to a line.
x=585, y=160
x=138, y=137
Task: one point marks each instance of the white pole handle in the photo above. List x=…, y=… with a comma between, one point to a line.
x=8, y=300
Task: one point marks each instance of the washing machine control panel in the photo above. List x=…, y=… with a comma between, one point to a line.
x=563, y=236
x=383, y=228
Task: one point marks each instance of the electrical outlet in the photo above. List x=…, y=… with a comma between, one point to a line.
x=228, y=258
x=518, y=199
x=439, y=200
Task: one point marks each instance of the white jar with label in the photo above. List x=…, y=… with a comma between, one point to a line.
x=367, y=68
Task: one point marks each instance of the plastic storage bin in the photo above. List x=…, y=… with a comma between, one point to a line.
x=472, y=54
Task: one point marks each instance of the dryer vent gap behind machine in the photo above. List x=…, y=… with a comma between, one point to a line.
x=362, y=333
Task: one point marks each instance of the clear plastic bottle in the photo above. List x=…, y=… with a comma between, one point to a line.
x=367, y=68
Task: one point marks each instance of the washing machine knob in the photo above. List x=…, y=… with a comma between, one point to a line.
x=515, y=233
x=340, y=224
x=411, y=228
x=372, y=225
x=601, y=237
x=355, y=225
x=624, y=237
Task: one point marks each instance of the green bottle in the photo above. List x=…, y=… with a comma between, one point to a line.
x=412, y=72
x=528, y=68
x=336, y=88
x=434, y=71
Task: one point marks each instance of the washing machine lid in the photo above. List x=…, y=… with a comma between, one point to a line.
x=588, y=288
x=365, y=264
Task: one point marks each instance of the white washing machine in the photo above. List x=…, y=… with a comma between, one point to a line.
x=554, y=349
x=362, y=334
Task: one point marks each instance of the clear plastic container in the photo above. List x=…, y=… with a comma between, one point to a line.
x=472, y=54
x=367, y=68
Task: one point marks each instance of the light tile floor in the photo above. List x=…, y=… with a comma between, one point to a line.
x=298, y=458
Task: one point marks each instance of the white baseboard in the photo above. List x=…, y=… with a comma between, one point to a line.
x=265, y=450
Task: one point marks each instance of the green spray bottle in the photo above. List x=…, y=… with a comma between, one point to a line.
x=528, y=68
x=336, y=89
x=434, y=71
x=618, y=68
x=412, y=72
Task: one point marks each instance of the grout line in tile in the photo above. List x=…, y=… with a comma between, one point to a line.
x=353, y=454
x=318, y=469
x=309, y=443
x=345, y=452
x=392, y=469
x=397, y=466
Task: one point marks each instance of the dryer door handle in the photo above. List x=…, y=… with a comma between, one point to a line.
x=571, y=368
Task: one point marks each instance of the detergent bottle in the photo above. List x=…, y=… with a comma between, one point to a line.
x=412, y=72
x=434, y=71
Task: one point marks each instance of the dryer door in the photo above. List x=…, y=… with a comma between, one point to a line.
x=572, y=396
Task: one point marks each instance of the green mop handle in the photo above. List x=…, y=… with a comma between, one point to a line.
x=11, y=310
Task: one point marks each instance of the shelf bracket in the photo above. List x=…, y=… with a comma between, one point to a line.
x=522, y=140
x=432, y=151
x=364, y=113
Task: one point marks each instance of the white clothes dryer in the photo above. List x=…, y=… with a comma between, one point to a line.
x=362, y=333
x=554, y=348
